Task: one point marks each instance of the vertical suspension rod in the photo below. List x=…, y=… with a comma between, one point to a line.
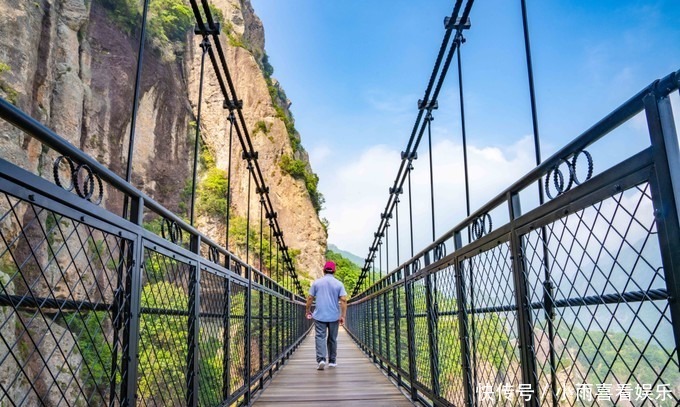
x=205, y=46
x=231, y=119
x=135, y=104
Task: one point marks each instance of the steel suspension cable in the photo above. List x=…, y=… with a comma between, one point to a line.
x=425, y=105
x=547, y=283
x=261, y=230
x=205, y=46
x=135, y=103
x=229, y=92
x=428, y=120
x=461, y=40
x=269, y=266
x=396, y=208
x=387, y=247
x=410, y=206
x=231, y=133
x=250, y=175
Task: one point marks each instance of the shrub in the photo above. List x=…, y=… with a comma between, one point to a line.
x=298, y=169
x=212, y=193
x=293, y=167
x=169, y=20
x=261, y=127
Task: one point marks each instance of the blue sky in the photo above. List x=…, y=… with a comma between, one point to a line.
x=354, y=71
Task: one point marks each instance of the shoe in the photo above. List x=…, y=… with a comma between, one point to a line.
x=332, y=364
x=321, y=365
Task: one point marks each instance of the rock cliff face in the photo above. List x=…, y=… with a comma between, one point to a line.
x=71, y=65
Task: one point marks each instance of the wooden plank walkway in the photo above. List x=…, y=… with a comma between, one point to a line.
x=355, y=382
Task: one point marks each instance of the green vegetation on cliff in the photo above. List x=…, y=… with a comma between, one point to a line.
x=299, y=169
x=169, y=21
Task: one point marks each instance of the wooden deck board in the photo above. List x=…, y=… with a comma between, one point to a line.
x=354, y=382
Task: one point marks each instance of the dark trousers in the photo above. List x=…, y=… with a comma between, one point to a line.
x=326, y=339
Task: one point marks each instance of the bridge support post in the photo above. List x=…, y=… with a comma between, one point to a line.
x=226, y=346
x=130, y=312
x=410, y=323
x=463, y=327
x=192, y=326
x=665, y=185
x=432, y=327
x=396, y=310
x=524, y=324
x=248, y=323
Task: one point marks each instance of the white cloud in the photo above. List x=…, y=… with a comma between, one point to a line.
x=356, y=191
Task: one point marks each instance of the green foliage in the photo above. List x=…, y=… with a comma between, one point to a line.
x=212, y=193
x=169, y=20
x=267, y=68
x=4, y=68
x=345, y=270
x=260, y=127
x=95, y=350
x=298, y=169
x=237, y=236
x=293, y=167
x=125, y=13
x=609, y=356
x=325, y=224
x=185, y=199
x=11, y=94
x=236, y=40
x=162, y=370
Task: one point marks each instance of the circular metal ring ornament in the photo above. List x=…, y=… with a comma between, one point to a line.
x=482, y=225
x=415, y=266
x=84, y=183
x=85, y=190
x=213, y=255
x=589, y=160
x=558, y=177
x=56, y=168
x=171, y=231
x=439, y=251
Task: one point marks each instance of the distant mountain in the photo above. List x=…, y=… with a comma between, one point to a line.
x=349, y=256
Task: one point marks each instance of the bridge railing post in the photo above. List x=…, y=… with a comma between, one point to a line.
x=226, y=341
x=524, y=324
x=131, y=311
x=248, y=334
x=193, y=326
x=665, y=186
x=410, y=323
x=397, y=328
x=464, y=335
x=432, y=315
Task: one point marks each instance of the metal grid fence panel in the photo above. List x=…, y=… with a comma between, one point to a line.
x=60, y=342
x=163, y=330
x=607, y=322
x=403, y=328
x=421, y=339
x=491, y=306
x=211, y=352
x=449, y=349
x=237, y=338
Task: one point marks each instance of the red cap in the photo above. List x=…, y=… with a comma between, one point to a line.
x=329, y=267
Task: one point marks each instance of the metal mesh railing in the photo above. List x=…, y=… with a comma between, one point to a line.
x=568, y=304
x=95, y=310
x=59, y=332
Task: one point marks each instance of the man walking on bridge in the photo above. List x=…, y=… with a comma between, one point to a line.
x=330, y=311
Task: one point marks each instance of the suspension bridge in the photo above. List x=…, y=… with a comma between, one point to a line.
x=561, y=290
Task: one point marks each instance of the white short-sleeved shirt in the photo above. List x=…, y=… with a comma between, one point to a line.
x=327, y=290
